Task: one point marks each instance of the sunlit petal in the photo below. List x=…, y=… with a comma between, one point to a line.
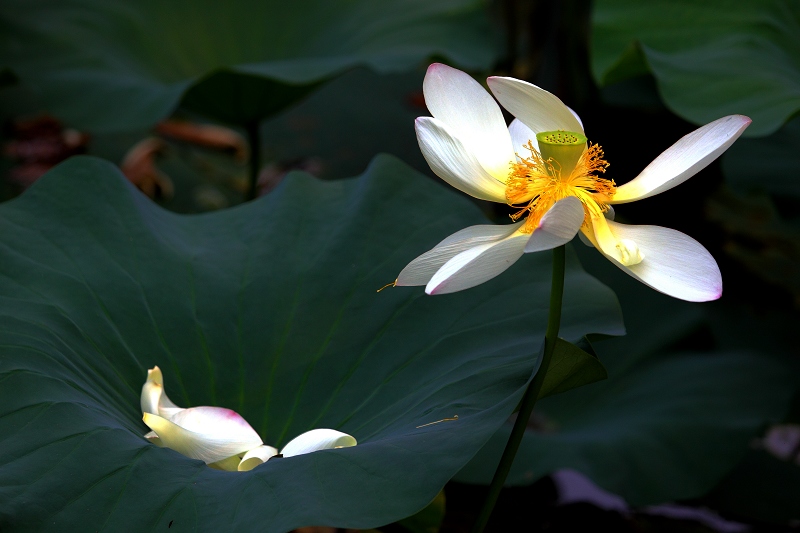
x=673, y=263
x=421, y=270
x=317, y=439
x=691, y=154
x=538, y=109
x=454, y=163
x=558, y=226
x=256, y=456
x=578, y=118
x=478, y=264
x=210, y=434
x=151, y=394
x=154, y=399
x=471, y=114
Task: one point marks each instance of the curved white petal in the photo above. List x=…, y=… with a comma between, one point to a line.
x=151, y=394
x=210, y=434
x=256, y=456
x=165, y=406
x=473, y=116
x=691, y=154
x=152, y=390
x=478, y=264
x=421, y=270
x=317, y=439
x=538, y=109
x=673, y=263
x=154, y=399
x=520, y=135
x=558, y=226
x=577, y=117
x=450, y=160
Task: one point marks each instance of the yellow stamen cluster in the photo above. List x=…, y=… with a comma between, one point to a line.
x=541, y=183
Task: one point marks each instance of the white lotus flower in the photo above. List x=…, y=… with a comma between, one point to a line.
x=543, y=165
x=220, y=437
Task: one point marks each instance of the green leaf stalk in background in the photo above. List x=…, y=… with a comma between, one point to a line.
x=710, y=58
x=561, y=366
x=120, y=66
x=269, y=309
x=533, y=391
x=667, y=424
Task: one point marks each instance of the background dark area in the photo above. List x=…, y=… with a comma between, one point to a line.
x=335, y=131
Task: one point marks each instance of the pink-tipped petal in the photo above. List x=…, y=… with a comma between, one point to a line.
x=454, y=163
x=210, y=434
x=317, y=439
x=558, y=226
x=673, y=263
x=421, y=270
x=471, y=114
x=691, y=154
x=540, y=110
x=478, y=264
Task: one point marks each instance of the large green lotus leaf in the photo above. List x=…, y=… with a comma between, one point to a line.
x=668, y=429
x=125, y=65
x=663, y=426
x=269, y=309
x=710, y=58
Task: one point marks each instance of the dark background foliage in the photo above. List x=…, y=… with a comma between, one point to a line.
x=640, y=76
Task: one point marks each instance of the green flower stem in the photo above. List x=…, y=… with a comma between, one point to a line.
x=531, y=394
x=254, y=138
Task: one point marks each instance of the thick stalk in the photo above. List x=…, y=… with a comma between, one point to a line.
x=254, y=139
x=531, y=393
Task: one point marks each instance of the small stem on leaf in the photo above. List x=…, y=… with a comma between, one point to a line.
x=531, y=393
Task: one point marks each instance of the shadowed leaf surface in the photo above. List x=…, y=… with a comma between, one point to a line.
x=770, y=164
x=269, y=309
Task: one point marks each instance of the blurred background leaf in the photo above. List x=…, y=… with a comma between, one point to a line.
x=769, y=164
x=710, y=59
x=124, y=66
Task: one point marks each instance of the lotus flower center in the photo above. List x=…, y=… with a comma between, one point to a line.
x=563, y=165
